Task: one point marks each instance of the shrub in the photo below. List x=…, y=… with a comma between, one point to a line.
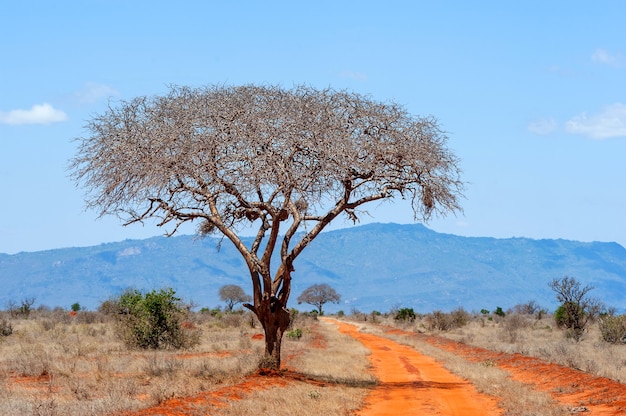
x=6, y=328
x=294, y=334
x=511, y=325
x=499, y=312
x=577, y=308
x=613, y=328
x=442, y=321
x=405, y=314
x=438, y=320
x=459, y=317
x=153, y=320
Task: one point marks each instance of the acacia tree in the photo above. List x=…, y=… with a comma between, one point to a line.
x=232, y=295
x=285, y=163
x=319, y=294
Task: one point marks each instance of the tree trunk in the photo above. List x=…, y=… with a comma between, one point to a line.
x=275, y=319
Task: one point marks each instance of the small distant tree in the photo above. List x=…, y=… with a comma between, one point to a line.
x=232, y=295
x=317, y=295
x=22, y=310
x=577, y=309
x=75, y=307
x=528, y=308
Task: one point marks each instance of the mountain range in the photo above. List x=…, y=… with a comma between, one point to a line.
x=373, y=267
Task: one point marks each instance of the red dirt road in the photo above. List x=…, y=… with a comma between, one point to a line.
x=415, y=384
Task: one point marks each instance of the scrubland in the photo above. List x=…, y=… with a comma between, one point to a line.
x=56, y=364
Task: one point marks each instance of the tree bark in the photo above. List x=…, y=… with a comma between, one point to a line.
x=272, y=312
x=275, y=319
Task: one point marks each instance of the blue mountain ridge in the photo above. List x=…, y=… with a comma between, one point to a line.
x=374, y=267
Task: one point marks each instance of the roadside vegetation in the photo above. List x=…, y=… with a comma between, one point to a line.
x=599, y=350
x=141, y=349
x=77, y=362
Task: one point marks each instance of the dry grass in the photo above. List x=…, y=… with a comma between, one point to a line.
x=52, y=366
x=55, y=365
x=298, y=398
x=334, y=370
x=340, y=359
x=540, y=338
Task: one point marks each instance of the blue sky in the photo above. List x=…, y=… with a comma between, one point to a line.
x=533, y=95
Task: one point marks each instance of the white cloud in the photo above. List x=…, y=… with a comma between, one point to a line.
x=38, y=114
x=602, y=56
x=610, y=122
x=92, y=92
x=543, y=126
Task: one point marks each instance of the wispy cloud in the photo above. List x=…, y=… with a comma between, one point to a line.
x=604, y=57
x=353, y=75
x=92, y=92
x=38, y=114
x=609, y=122
x=543, y=126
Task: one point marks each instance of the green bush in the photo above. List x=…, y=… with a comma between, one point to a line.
x=294, y=334
x=405, y=314
x=499, y=312
x=153, y=320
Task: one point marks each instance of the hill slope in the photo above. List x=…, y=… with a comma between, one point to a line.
x=374, y=266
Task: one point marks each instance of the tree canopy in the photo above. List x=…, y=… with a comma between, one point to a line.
x=277, y=160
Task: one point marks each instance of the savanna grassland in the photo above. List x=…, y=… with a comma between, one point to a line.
x=57, y=363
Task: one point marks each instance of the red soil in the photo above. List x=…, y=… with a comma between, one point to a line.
x=414, y=384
